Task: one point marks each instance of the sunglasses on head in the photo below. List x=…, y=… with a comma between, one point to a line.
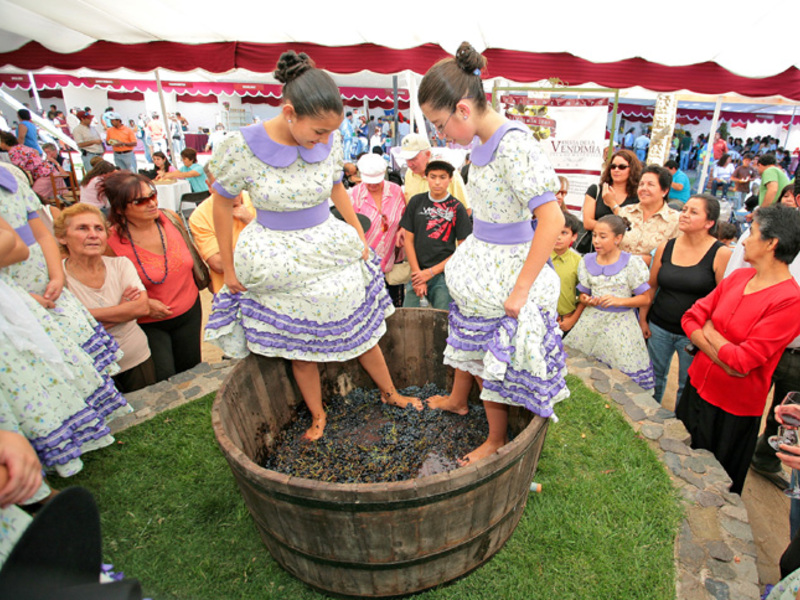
x=145, y=199
x=619, y=166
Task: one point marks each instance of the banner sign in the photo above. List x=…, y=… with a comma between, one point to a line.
x=572, y=132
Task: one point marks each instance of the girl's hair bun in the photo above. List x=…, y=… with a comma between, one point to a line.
x=291, y=65
x=469, y=60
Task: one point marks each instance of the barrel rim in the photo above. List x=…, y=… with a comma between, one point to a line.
x=458, y=476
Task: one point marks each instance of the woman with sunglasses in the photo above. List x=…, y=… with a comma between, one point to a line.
x=142, y=233
x=618, y=185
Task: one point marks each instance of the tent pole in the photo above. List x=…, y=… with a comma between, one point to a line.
x=789, y=128
x=701, y=185
x=164, y=121
x=35, y=92
x=396, y=109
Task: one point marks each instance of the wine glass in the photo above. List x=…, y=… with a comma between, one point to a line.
x=791, y=421
x=788, y=433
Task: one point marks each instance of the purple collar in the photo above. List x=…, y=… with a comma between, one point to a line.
x=8, y=181
x=608, y=270
x=482, y=155
x=278, y=155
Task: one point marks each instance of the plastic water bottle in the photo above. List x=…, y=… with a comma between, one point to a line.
x=423, y=302
x=536, y=487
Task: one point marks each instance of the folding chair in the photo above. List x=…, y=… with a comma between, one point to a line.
x=193, y=199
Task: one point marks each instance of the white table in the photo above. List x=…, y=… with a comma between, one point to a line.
x=169, y=194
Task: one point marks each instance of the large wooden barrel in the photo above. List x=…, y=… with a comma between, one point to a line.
x=373, y=540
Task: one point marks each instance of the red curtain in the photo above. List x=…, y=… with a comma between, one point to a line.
x=706, y=78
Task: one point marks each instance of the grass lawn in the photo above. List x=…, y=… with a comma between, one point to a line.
x=603, y=526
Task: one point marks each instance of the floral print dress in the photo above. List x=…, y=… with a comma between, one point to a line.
x=59, y=399
x=521, y=361
x=612, y=335
x=310, y=295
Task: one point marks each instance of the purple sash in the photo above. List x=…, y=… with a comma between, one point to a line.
x=294, y=219
x=502, y=233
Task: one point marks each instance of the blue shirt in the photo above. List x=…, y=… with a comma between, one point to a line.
x=686, y=192
x=198, y=182
x=31, y=136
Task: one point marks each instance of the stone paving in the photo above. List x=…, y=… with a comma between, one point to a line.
x=715, y=555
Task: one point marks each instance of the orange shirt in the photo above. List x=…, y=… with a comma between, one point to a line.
x=123, y=135
x=178, y=291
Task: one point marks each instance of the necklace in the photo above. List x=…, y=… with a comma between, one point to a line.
x=139, y=260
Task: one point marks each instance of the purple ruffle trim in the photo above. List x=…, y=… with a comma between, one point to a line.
x=64, y=444
x=473, y=334
x=331, y=337
x=644, y=378
x=102, y=347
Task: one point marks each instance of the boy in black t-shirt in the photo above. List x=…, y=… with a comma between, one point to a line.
x=433, y=222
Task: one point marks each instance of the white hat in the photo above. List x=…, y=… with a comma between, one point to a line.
x=112, y=116
x=413, y=144
x=372, y=168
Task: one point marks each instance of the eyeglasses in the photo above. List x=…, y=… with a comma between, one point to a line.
x=440, y=130
x=619, y=166
x=145, y=199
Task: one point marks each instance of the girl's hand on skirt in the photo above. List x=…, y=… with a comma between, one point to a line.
x=514, y=303
x=53, y=289
x=45, y=303
x=365, y=254
x=233, y=284
x=23, y=469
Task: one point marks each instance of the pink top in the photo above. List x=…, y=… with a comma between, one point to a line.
x=382, y=235
x=178, y=291
x=90, y=194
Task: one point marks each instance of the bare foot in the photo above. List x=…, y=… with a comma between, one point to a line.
x=396, y=399
x=447, y=403
x=486, y=449
x=316, y=430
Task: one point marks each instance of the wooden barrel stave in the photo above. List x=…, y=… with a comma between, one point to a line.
x=373, y=540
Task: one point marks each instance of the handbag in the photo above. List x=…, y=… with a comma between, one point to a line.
x=399, y=274
x=202, y=277
x=584, y=243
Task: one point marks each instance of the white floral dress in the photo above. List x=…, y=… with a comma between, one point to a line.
x=310, y=296
x=612, y=335
x=521, y=361
x=50, y=389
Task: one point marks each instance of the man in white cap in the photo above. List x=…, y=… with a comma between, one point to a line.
x=87, y=138
x=416, y=151
x=123, y=140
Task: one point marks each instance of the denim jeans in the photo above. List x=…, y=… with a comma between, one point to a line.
x=438, y=294
x=661, y=346
x=716, y=185
x=794, y=510
x=125, y=161
x=684, y=161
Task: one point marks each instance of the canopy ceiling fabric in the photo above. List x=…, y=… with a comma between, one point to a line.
x=644, y=114
x=595, y=31
x=703, y=78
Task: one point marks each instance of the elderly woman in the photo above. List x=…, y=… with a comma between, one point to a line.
x=652, y=221
x=109, y=287
x=384, y=204
x=618, y=185
x=740, y=330
x=684, y=270
x=163, y=261
x=31, y=161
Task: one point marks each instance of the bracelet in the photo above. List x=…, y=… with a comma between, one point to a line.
x=430, y=270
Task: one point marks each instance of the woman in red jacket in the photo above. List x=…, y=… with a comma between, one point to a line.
x=740, y=330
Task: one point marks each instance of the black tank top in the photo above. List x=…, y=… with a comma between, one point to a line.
x=680, y=287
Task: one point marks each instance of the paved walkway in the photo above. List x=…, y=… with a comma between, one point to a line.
x=180, y=389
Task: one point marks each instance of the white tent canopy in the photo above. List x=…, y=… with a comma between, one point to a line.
x=599, y=32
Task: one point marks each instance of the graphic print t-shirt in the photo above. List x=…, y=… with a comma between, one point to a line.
x=436, y=225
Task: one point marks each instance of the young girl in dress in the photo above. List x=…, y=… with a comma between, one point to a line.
x=301, y=284
x=503, y=329
x=612, y=284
